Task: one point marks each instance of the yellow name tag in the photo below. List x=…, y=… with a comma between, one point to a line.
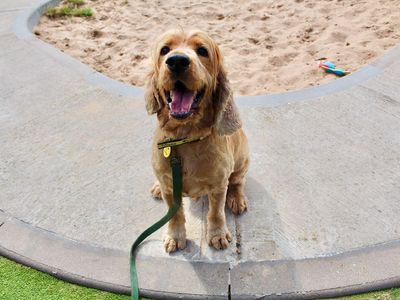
x=167, y=151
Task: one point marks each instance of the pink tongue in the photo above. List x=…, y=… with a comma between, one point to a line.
x=181, y=101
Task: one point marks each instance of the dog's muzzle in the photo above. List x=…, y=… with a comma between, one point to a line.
x=178, y=63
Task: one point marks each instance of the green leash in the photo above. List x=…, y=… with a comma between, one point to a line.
x=176, y=166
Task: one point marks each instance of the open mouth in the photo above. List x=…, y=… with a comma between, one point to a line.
x=182, y=102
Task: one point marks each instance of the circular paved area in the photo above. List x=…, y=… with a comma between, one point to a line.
x=324, y=183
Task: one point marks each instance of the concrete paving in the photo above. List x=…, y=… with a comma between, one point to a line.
x=323, y=188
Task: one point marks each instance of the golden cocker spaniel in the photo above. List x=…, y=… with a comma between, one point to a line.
x=188, y=90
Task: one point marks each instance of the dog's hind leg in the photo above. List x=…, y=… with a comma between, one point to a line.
x=156, y=190
x=235, y=197
x=218, y=235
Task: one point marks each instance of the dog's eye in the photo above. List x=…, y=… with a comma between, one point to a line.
x=202, y=51
x=164, y=50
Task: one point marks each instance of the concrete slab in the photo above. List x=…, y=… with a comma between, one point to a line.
x=317, y=156
x=6, y=21
x=75, y=172
x=14, y=5
x=351, y=272
x=109, y=269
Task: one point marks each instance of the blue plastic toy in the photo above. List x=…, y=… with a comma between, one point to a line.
x=331, y=68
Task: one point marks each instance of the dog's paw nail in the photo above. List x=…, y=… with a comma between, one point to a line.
x=229, y=236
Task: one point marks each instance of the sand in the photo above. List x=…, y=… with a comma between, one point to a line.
x=269, y=46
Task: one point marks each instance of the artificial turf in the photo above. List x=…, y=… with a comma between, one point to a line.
x=391, y=294
x=18, y=282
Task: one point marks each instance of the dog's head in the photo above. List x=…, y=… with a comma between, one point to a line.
x=187, y=85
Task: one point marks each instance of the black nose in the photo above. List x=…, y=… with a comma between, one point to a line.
x=178, y=63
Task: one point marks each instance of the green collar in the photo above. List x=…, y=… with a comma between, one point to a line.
x=174, y=143
x=169, y=145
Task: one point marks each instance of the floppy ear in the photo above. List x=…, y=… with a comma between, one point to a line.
x=227, y=119
x=151, y=95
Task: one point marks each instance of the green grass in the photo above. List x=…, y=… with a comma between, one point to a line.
x=69, y=8
x=20, y=282
x=76, y=2
x=82, y=12
x=67, y=11
x=391, y=294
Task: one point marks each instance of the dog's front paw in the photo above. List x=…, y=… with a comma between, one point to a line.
x=219, y=238
x=174, y=238
x=156, y=190
x=172, y=244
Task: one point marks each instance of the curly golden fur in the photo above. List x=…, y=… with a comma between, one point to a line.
x=215, y=166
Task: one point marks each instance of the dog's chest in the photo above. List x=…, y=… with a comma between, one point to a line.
x=203, y=167
x=203, y=170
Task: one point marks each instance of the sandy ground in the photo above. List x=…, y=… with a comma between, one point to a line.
x=269, y=46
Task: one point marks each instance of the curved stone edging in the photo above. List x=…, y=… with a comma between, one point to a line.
x=98, y=267
x=356, y=271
